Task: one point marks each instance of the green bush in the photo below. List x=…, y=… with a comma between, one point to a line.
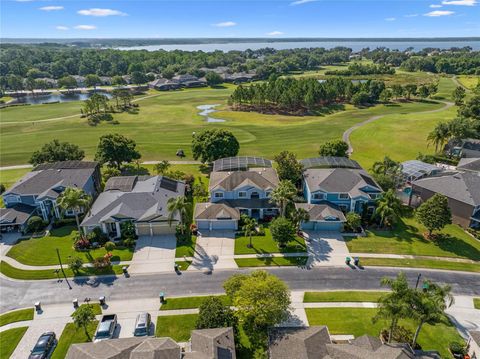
x=35, y=224
x=98, y=236
x=283, y=231
x=457, y=348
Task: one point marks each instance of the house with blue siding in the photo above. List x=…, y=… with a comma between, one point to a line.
x=349, y=189
x=36, y=193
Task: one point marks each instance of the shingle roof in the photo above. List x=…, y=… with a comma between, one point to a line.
x=321, y=212
x=339, y=180
x=214, y=343
x=463, y=186
x=145, y=201
x=208, y=211
x=263, y=178
x=469, y=164
x=126, y=348
x=17, y=214
x=47, y=177
x=475, y=334
x=298, y=343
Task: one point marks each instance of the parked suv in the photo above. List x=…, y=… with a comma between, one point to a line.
x=106, y=327
x=44, y=347
x=142, y=325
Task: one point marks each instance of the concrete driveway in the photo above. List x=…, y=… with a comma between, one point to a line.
x=214, y=249
x=7, y=241
x=326, y=248
x=154, y=254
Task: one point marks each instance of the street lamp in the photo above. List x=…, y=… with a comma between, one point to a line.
x=418, y=280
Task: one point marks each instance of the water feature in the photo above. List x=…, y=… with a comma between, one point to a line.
x=55, y=97
x=206, y=110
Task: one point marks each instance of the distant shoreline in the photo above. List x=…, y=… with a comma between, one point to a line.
x=198, y=41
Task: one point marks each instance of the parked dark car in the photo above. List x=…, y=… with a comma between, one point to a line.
x=142, y=325
x=44, y=347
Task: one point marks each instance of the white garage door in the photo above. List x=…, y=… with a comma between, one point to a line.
x=213, y=225
x=143, y=229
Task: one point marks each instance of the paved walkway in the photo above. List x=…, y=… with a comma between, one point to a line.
x=214, y=250
x=464, y=315
x=153, y=254
x=348, y=132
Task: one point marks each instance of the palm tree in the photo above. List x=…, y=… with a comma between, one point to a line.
x=74, y=199
x=283, y=194
x=394, y=305
x=388, y=208
x=386, y=166
x=439, y=136
x=429, y=305
x=249, y=228
x=298, y=216
x=180, y=206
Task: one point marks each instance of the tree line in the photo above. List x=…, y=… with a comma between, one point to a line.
x=363, y=69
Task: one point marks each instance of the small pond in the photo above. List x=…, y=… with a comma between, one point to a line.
x=55, y=97
x=206, y=110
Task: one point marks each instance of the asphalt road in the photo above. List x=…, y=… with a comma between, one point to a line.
x=21, y=294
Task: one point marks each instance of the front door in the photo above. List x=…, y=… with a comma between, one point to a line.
x=255, y=213
x=112, y=229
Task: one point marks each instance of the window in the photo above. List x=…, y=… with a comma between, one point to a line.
x=218, y=195
x=318, y=196
x=343, y=196
x=242, y=194
x=374, y=195
x=268, y=194
x=255, y=195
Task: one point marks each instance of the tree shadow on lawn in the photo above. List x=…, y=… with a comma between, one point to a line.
x=407, y=233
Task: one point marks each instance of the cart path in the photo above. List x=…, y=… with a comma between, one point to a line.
x=347, y=133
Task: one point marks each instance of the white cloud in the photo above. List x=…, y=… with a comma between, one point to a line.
x=101, y=12
x=62, y=28
x=390, y=19
x=301, y=2
x=460, y=2
x=275, y=33
x=51, y=8
x=85, y=27
x=411, y=15
x=438, y=13
x=435, y=6
x=225, y=24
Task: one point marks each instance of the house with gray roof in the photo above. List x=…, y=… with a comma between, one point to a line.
x=322, y=217
x=347, y=189
x=163, y=84
x=462, y=190
x=233, y=193
x=315, y=343
x=139, y=199
x=216, y=343
x=469, y=164
x=187, y=80
x=36, y=193
x=467, y=148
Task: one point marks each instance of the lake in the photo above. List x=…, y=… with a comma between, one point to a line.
x=354, y=45
x=55, y=97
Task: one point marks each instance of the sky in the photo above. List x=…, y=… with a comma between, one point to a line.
x=238, y=18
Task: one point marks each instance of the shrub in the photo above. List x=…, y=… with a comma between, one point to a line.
x=354, y=221
x=457, y=348
x=109, y=246
x=75, y=264
x=102, y=262
x=128, y=230
x=97, y=236
x=64, y=222
x=81, y=243
x=283, y=231
x=35, y=224
x=2, y=188
x=129, y=242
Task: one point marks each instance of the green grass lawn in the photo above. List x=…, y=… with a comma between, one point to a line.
x=97, y=309
x=9, y=177
x=173, y=116
x=407, y=238
x=271, y=262
x=342, y=296
x=420, y=263
x=9, y=340
x=177, y=327
x=72, y=335
x=15, y=273
x=16, y=316
x=469, y=81
x=476, y=303
x=186, y=248
x=189, y=302
x=183, y=265
x=400, y=136
x=357, y=321
x=42, y=251
x=266, y=244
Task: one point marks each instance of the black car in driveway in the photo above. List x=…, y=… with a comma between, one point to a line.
x=44, y=347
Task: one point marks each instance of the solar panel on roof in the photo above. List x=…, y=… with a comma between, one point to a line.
x=168, y=184
x=124, y=184
x=240, y=163
x=330, y=162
